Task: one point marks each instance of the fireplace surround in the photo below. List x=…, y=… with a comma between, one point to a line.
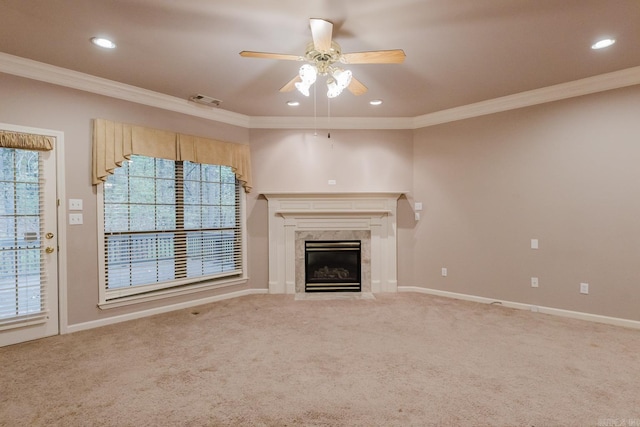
x=298, y=217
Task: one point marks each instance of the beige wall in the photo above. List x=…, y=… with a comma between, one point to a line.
x=292, y=160
x=566, y=173
x=298, y=161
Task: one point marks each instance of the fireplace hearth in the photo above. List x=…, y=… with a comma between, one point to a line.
x=333, y=266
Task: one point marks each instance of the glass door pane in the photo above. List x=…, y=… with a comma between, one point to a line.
x=28, y=245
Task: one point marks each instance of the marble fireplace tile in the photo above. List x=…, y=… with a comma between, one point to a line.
x=365, y=255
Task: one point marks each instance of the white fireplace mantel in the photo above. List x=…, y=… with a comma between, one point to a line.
x=292, y=213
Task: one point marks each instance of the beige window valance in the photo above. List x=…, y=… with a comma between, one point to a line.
x=26, y=141
x=115, y=142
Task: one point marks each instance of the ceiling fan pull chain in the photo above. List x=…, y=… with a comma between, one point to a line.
x=329, y=117
x=315, y=110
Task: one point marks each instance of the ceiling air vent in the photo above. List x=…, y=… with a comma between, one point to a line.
x=205, y=100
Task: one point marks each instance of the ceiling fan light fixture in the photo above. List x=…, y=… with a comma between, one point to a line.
x=333, y=88
x=308, y=74
x=321, y=53
x=342, y=77
x=303, y=88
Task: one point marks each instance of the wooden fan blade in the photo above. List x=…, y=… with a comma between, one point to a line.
x=321, y=32
x=374, y=57
x=356, y=88
x=291, y=85
x=266, y=55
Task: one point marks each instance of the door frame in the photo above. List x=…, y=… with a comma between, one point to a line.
x=61, y=214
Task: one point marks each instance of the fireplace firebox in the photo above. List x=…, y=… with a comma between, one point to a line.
x=332, y=265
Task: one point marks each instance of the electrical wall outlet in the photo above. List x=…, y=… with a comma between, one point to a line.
x=332, y=182
x=584, y=288
x=534, y=282
x=444, y=272
x=418, y=206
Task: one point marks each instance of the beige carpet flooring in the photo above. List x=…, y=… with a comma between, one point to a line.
x=268, y=360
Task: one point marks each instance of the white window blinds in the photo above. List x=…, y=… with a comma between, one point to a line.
x=168, y=224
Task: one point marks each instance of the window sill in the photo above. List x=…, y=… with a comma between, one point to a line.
x=170, y=292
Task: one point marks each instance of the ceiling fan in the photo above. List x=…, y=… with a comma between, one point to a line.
x=322, y=55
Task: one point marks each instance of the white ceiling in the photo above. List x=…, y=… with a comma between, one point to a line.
x=458, y=51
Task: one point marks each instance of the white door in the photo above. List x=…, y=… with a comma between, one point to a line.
x=28, y=245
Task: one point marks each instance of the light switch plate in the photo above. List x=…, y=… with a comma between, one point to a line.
x=418, y=206
x=75, y=204
x=534, y=243
x=75, y=219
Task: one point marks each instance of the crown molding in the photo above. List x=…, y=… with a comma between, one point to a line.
x=35, y=70
x=324, y=123
x=599, y=83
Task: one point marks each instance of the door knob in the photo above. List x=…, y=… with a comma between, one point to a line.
x=49, y=250
x=49, y=235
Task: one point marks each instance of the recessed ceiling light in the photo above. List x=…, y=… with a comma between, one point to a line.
x=102, y=42
x=601, y=44
x=376, y=102
x=293, y=103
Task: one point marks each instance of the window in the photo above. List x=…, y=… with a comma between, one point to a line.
x=169, y=226
x=22, y=273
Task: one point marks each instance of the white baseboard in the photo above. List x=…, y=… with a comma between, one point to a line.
x=510, y=304
x=530, y=307
x=164, y=309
